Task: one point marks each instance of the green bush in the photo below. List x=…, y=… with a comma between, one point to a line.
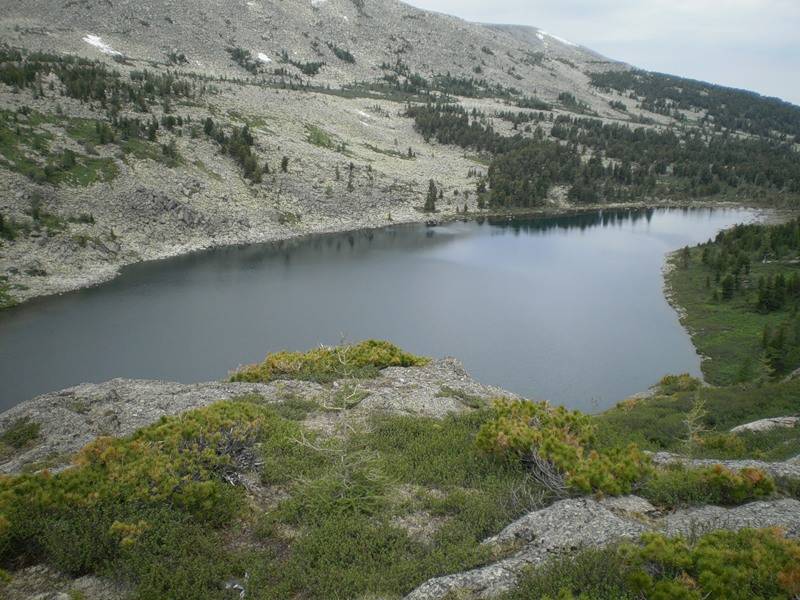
x=551, y=438
x=20, y=433
x=672, y=384
x=590, y=574
x=722, y=565
x=164, y=480
x=325, y=364
x=680, y=486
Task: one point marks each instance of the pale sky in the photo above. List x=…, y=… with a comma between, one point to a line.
x=751, y=44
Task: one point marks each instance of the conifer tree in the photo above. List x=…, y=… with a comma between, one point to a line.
x=430, y=201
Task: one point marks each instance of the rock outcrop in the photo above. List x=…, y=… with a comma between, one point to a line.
x=71, y=418
x=768, y=424
x=778, y=470
x=579, y=523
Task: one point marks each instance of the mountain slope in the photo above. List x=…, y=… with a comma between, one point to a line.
x=133, y=131
x=374, y=32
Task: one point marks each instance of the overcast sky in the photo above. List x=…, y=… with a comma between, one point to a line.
x=752, y=44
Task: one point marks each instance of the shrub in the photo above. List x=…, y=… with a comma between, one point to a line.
x=592, y=573
x=325, y=364
x=555, y=443
x=181, y=462
x=20, y=433
x=679, y=486
x=721, y=565
x=673, y=384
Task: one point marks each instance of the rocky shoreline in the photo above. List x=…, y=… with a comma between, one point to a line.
x=110, y=264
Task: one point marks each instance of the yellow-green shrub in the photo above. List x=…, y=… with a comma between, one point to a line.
x=537, y=431
x=180, y=463
x=673, y=384
x=726, y=444
x=325, y=364
x=722, y=565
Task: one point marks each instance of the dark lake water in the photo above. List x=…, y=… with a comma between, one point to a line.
x=567, y=308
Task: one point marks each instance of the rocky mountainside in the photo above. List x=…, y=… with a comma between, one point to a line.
x=373, y=32
x=354, y=160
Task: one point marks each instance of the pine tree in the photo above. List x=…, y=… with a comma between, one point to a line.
x=430, y=201
x=685, y=257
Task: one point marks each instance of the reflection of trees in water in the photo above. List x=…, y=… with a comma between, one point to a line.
x=582, y=220
x=403, y=237
x=411, y=237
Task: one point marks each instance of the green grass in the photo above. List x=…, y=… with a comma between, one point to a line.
x=320, y=137
x=658, y=423
x=25, y=148
x=20, y=433
x=324, y=139
x=252, y=121
x=465, y=398
x=726, y=333
x=83, y=130
x=145, y=150
x=355, y=489
x=205, y=169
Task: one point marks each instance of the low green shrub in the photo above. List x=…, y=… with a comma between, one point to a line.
x=325, y=364
x=722, y=565
x=673, y=384
x=20, y=433
x=146, y=507
x=555, y=441
x=680, y=486
x=354, y=490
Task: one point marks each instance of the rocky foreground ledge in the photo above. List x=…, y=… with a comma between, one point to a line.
x=71, y=418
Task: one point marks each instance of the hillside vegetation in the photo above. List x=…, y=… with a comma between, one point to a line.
x=249, y=492
x=740, y=293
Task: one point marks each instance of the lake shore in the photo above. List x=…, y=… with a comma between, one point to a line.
x=64, y=276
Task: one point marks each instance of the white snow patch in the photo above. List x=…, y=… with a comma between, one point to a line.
x=558, y=39
x=365, y=124
x=363, y=114
x=318, y=3
x=97, y=42
x=540, y=36
x=264, y=58
x=345, y=18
